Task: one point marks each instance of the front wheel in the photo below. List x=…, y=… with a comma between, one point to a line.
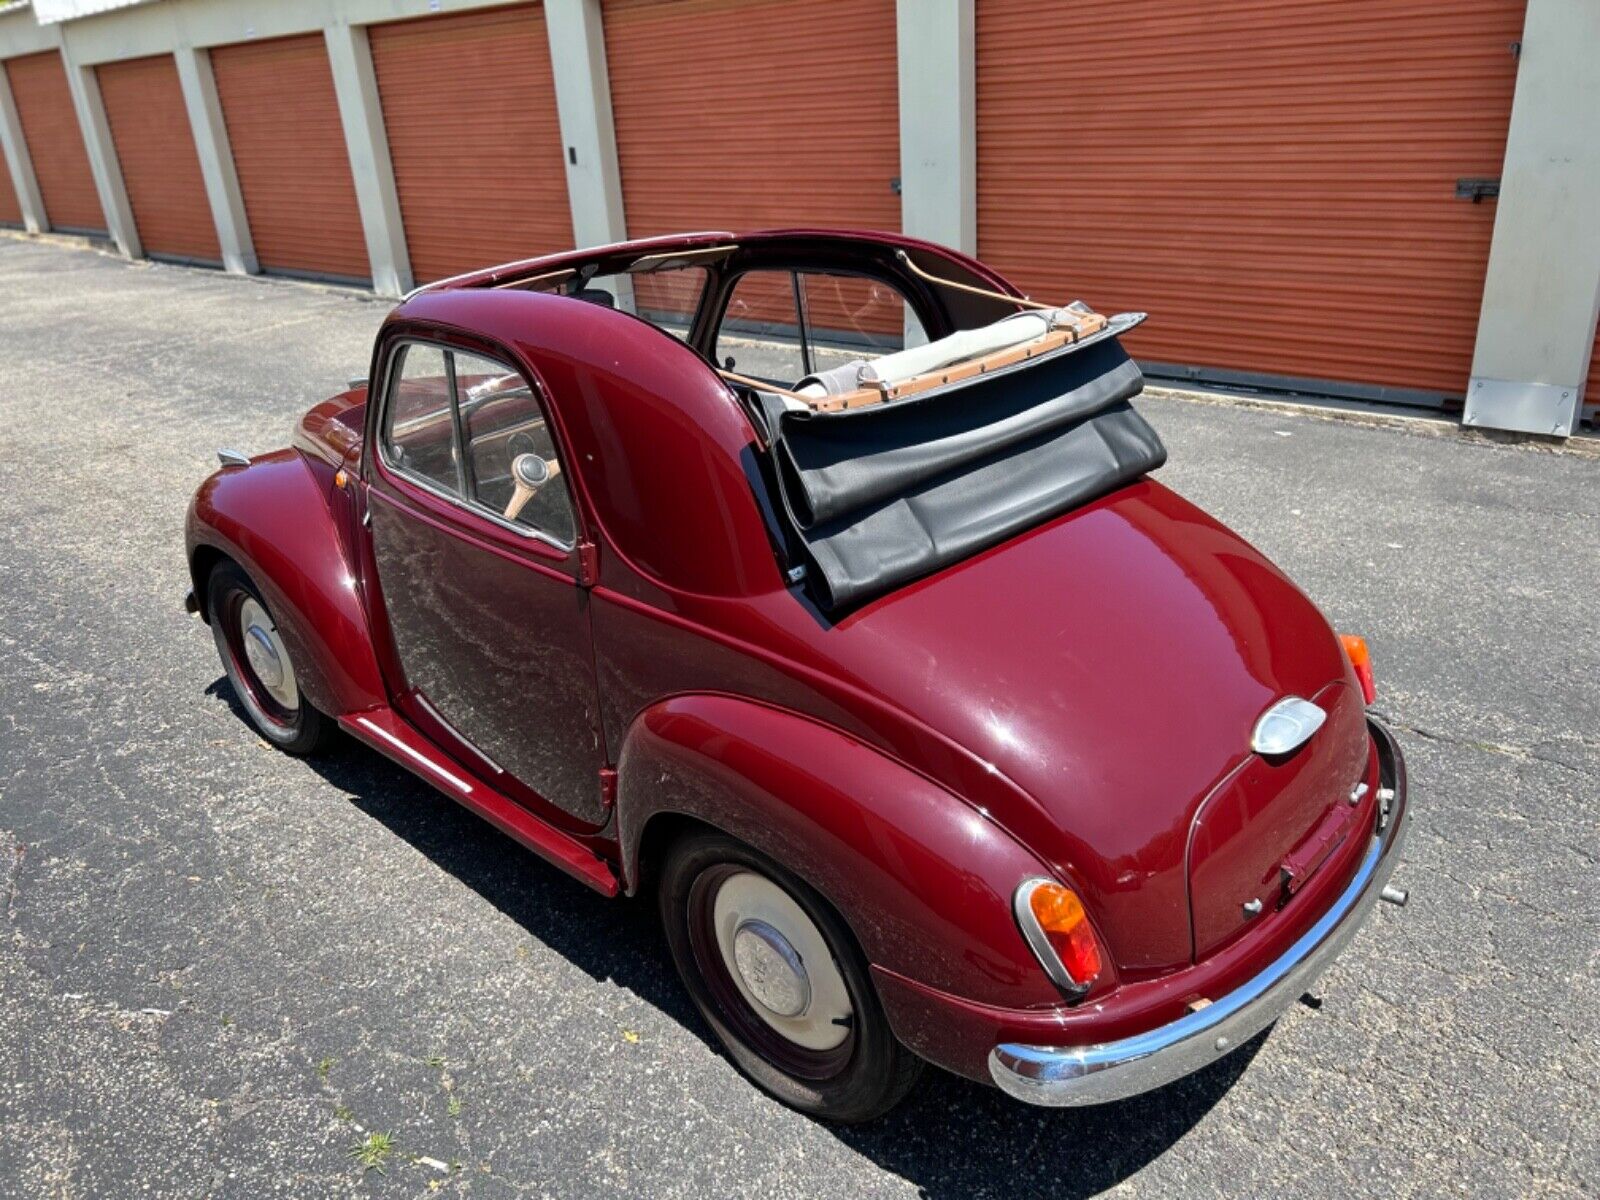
x=779, y=978
x=258, y=665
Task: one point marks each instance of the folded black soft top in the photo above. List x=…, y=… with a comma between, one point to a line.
x=883, y=494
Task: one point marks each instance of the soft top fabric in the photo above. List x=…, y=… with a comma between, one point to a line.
x=884, y=494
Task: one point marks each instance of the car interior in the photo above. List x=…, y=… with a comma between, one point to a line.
x=509, y=468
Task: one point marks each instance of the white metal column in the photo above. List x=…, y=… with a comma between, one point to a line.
x=1537, y=325
x=19, y=162
x=361, y=112
x=103, y=164
x=938, y=121
x=583, y=102
x=216, y=159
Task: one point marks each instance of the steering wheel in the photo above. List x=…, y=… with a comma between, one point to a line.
x=529, y=473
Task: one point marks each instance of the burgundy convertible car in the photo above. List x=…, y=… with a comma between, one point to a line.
x=816, y=583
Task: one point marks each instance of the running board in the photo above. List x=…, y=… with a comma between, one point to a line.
x=385, y=732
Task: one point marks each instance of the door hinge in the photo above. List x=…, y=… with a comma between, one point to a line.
x=608, y=788
x=588, y=563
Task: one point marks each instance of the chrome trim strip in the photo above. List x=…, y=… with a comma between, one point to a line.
x=1081, y=1075
x=232, y=458
x=427, y=764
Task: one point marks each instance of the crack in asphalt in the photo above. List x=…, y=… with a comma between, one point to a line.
x=1519, y=753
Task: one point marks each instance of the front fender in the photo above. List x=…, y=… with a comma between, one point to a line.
x=272, y=518
x=923, y=879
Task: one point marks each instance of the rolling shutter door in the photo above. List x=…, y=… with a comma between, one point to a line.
x=747, y=114
x=10, y=209
x=55, y=143
x=289, y=151
x=469, y=105
x=1274, y=184
x=160, y=166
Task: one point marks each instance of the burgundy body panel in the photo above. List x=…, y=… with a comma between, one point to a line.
x=274, y=518
x=1250, y=828
x=924, y=880
x=332, y=432
x=391, y=734
x=956, y=1033
x=1077, y=701
x=497, y=643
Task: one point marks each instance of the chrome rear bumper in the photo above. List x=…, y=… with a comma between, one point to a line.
x=1080, y=1075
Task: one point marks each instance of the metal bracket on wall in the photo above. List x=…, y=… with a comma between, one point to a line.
x=1477, y=189
x=1545, y=408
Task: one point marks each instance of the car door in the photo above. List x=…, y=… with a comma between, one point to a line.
x=473, y=547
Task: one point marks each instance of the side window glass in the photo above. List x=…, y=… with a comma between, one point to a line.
x=760, y=330
x=511, y=458
x=419, y=432
x=850, y=317
x=668, y=299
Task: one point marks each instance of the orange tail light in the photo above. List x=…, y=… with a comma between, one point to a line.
x=1058, y=930
x=1355, y=649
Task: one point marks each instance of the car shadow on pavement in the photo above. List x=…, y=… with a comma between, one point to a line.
x=955, y=1138
x=950, y=1138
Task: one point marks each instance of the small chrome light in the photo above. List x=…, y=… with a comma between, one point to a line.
x=1286, y=726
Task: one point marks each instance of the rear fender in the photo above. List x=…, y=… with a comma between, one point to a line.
x=272, y=518
x=923, y=879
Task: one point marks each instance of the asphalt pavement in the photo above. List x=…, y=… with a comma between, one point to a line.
x=222, y=969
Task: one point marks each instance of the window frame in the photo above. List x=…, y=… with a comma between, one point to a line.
x=729, y=283
x=906, y=303
x=394, y=356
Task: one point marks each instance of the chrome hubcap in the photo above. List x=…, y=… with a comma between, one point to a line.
x=771, y=969
x=266, y=655
x=780, y=962
x=263, y=658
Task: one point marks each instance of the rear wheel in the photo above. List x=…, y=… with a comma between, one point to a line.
x=258, y=665
x=779, y=978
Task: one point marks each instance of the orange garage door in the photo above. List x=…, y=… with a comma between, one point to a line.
x=744, y=114
x=55, y=143
x=10, y=210
x=1275, y=184
x=160, y=166
x=470, y=109
x=288, y=148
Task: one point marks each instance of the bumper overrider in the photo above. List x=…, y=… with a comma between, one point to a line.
x=1080, y=1075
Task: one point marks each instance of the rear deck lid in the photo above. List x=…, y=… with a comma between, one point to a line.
x=1274, y=822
